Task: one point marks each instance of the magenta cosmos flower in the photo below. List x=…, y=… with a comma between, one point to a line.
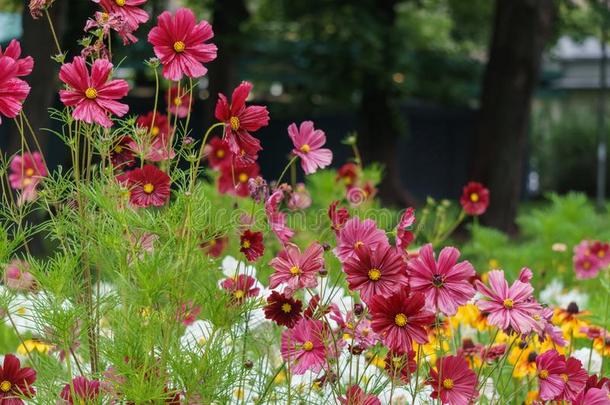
x=453, y=381
x=295, y=269
x=308, y=144
x=508, y=306
x=241, y=287
x=13, y=51
x=400, y=319
x=15, y=382
x=550, y=365
x=92, y=96
x=179, y=43
x=148, y=186
x=240, y=120
x=575, y=377
x=85, y=391
x=444, y=283
x=12, y=90
x=372, y=272
x=356, y=234
x=304, y=346
x=404, y=236
x=129, y=11
x=276, y=218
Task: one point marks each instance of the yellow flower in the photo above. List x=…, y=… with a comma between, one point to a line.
x=470, y=315
x=570, y=321
x=31, y=345
x=523, y=358
x=531, y=397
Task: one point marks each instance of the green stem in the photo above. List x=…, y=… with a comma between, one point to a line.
x=279, y=181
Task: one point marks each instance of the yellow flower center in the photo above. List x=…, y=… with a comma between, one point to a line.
x=179, y=46
x=120, y=3
x=543, y=374
x=148, y=188
x=177, y=101
x=155, y=131
x=234, y=123
x=239, y=294
x=5, y=386
x=586, y=265
x=308, y=346
x=508, y=303
x=374, y=274
x=243, y=177
x=601, y=253
x=295, y=271
x=220, y=153
x=400, y=319
x=118, y=149
x=305, y=148
x=29, y=172
x=246, y=244
x=565, y=378
x=447, y=383
x=358, y=244
x=91, y=93
x=26, y=182
x=286, y=308
x=474, y=197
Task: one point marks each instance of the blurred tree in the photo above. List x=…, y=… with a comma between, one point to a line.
x=522, y=29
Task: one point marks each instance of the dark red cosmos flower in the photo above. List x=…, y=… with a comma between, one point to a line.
x=400, y=366
x=348, y=174
x=241, y=287
x=85, y=391
x=15, y=382
x=338, y=217
x=157, y=124
x=400, y=319
x=218, y=153
x=122, y=155
x=252, y=244
x=128, y=10
x=240, y=120
x=475, y=198
x=283, y=310
x=234, y=178
x=148, y=186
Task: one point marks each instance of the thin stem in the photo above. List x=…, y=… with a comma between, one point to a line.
x=53, y=31
x=279, y=181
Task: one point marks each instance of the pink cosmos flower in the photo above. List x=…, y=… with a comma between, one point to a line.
x=453, y=381
x=575, y=377
x=357, y=234
x=444, y=283
x=304, y=346
x=381, y=271
x=13, y=51
x=36, y=7
x=180, y=101
x=107, y=22
x=508, y=306
x=240, y=120
x=550, y=366
x=27, y=171
x=300, y=198
x=13, y=91
x=400, y=319
x=93, y=96
x=308, y=144
x=404, y=236
x=276, y=218
x=594, y=396
x=180, y=44
x=129, y=10
x=589, y=258
x=188, y=313
x=17, y=276
x=356, y=396
x=295, y=269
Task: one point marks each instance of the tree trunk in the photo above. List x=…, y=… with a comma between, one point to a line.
x=522, y=28
x=381, y=122
x=223, y=72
